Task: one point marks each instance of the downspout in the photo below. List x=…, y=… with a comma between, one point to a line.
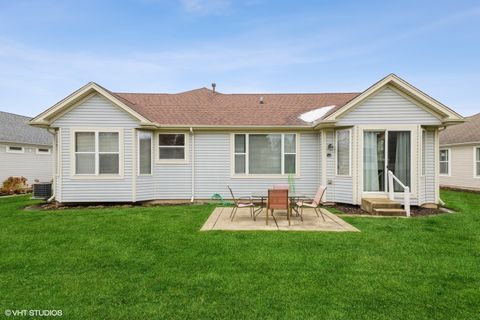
x=55, y=165
x=193, y=165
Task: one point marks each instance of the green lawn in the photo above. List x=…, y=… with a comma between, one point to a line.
x=135, y=263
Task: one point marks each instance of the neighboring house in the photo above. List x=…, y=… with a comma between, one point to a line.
x=24, y=150
x=191, y=145
x=460, y=155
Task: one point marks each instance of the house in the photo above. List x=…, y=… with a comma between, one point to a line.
x=24, y=150
x=131, y=147
x=460, y=155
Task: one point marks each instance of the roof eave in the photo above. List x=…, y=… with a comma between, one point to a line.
x=453, y=144
x=227, y=127
x=451, y=122
x=324, y=124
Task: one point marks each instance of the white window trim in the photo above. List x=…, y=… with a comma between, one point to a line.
x=151, y=155
x=186, y=158
x=476, y=162
x=37, y=151
x=349, y=154
x=449, y=161
x=241, y=153
x=248, y=175
x=97, y=176
x=7, y=149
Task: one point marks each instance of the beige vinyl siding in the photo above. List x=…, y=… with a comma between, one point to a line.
x=388, y=106
x=96, y=112
x=28, y=164
x=462, y=168
x=213, y=168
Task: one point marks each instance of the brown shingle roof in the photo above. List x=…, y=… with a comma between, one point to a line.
x=205, y=107
x=469, y=131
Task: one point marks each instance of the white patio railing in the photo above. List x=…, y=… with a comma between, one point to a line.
x=406, y=192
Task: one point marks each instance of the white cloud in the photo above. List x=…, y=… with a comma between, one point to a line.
x=206, y=6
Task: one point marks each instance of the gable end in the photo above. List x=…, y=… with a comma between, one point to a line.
x=389, y=106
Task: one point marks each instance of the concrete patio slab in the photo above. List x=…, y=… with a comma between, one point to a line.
x=220, y=220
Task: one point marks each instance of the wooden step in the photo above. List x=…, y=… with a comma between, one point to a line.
x=389, y=212
x=369, y=204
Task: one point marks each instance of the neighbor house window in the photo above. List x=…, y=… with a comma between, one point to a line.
x=445, y=161
x=43, y=151
x=265, y=153
x=171, y=146
x=477, y=162
x=144, y=152
x=15, y=149
x=343, y=152
x=97, y=153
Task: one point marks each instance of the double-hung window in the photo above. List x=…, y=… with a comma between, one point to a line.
x=445, y=162
x=97, y=152
x=477, y=162
x=343, y=138
x=172, y=147
x=43, y=151
x=15, y=149
x=265, y=153
x=144, y=152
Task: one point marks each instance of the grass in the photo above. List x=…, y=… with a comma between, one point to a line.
x=136, y=263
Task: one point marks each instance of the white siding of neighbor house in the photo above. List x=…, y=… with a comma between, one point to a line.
x=462, y=168
x=95, y=112
x=28, y=164
x=212, y=168
x=387, y=106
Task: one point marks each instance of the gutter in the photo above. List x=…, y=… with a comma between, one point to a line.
x=193, y=164
x=158, y=126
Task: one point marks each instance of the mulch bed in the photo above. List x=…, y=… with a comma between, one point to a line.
x=344, y=208
x=414, y=210
x=461, y=189
x=59, y=206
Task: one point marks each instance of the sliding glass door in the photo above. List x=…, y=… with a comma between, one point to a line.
x=374, y=161
x=399, y=157
x=383, y=151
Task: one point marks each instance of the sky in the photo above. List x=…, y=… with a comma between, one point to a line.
x=48, y=49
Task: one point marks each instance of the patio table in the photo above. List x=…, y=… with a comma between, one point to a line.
x=294, y=197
